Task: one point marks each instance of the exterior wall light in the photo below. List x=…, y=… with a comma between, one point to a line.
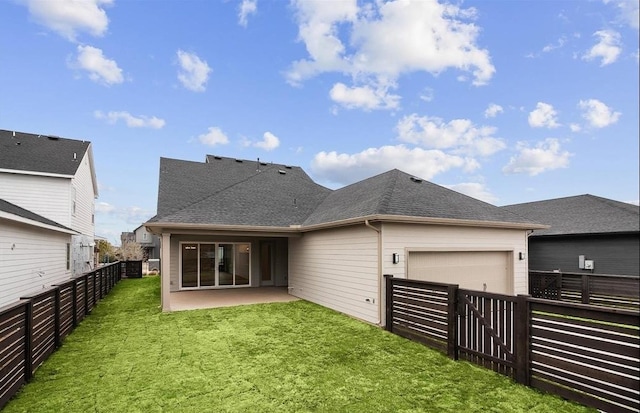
x=395, y=258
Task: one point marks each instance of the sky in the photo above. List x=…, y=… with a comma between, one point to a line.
x=505, y=101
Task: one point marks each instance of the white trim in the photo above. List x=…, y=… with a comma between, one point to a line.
x=35, y=173
x=23, y=220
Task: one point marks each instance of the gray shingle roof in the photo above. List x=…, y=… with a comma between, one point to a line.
x=13, y=209
x=225, y=191
x=582, y=214
x=39, y=153
x=397, y=193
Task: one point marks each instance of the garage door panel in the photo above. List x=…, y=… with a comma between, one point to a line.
x=474, y=270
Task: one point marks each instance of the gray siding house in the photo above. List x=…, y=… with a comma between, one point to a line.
x=583, y=228
x=233, y=223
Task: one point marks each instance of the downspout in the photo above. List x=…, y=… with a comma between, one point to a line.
x=379, y=278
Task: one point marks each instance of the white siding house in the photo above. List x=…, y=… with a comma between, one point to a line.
x=54, y=179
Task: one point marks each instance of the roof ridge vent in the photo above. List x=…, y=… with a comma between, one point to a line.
x=239, y=160
x=53, y=137
x=217, y=157
x=416, y=179
x=288, y=166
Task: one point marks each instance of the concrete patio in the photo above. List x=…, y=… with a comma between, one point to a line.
x=193, y=300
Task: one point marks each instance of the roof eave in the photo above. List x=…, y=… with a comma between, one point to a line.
x=160, y=227
x=23, y=220
x=35, y=173
x=425, y=220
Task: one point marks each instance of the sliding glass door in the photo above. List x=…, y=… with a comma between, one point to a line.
x=205, y=265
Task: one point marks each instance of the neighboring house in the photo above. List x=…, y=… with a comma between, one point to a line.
x=229, y=223
x=149, y=242
x=126, y=237
x=603, y=232
x=48, y=187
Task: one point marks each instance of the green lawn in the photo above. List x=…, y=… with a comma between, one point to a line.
x=128, y=357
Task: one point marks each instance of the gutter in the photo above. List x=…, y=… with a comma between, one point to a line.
x=379, y=277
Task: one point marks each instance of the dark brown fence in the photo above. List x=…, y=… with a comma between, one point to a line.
x=581, y=352
x=35, y=326
x=132, y=269
x=621, y=291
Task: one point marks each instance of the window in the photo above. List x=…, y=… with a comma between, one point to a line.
x=73, y=201
x=68, y=256
x=214, y=264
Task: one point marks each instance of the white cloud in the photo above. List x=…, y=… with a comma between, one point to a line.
x=104, y=207
x=131, y=121
x=194, y=72
x=348, y=168
x=607, y=49
x=575, y=127
x=375, y=43
x=493, y=110
x=629, y=11
x=474, y=190
x=544, y=115
x=214, y=136
x=427, y=95
x=363, y=97
x=247, y=8
x=101, y=69
x=545, y=156
x=459, y=135
x=68, y=17
x=597, y=113
x=269, y=142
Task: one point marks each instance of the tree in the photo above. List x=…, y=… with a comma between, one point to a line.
x=106, y=251
x=130, y=251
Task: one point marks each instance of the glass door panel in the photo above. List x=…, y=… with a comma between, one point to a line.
x=207, y=265
x=189, y=265
x=242, y=264
x=266, y=263
x=225, y=264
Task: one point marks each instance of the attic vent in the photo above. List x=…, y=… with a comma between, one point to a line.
x=53, y=138
x=281, y=172
x=263, y=163
x=414, y=179
x=217, y=157
x=239, y=160
x=288, y=166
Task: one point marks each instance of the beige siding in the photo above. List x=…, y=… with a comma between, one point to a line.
x=32, y=259
x=46, y=196
x=401, y=238
x=338, y=269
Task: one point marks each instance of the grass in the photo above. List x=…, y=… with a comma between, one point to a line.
x=290, y=357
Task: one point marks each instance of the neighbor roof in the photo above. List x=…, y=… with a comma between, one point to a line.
x=582, y=214
x=234, y=192
x=13, y=209
x=40, y=153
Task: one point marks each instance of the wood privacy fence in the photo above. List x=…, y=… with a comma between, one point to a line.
x=35, y=326
x=621, y=291
x=581, y=352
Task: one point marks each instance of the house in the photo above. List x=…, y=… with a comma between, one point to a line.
x=233, y=223
x=47, y=187
x=149, y=242
x=587, y=234
x=126, y=237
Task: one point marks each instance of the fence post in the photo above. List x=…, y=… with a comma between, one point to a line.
x=56, y=320
x=585, y=289
x=28, y=334
x=521, y=353
x=388, y=322
x=86, y=294
x=452, y=321
x=74, y=304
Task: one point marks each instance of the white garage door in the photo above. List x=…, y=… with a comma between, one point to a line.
x=481, y=270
